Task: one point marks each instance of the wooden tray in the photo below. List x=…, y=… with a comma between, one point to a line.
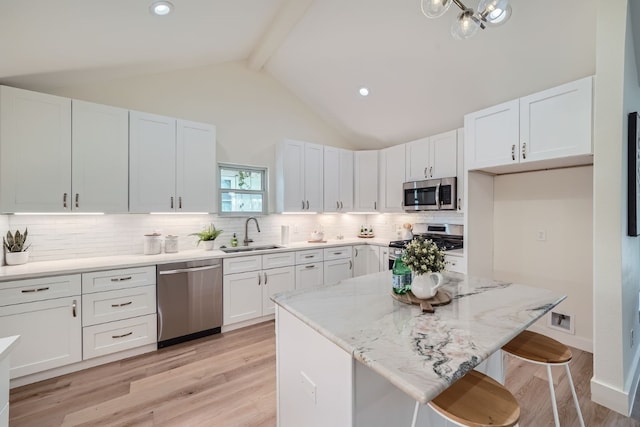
x=366, y=236
x=440, y=298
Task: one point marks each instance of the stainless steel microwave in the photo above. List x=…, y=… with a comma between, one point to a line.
x=430, y=195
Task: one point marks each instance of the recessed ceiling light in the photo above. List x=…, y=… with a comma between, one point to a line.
x=160, y=8
x=364, y=91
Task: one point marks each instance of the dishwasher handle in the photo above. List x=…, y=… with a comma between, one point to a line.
x=189, y=270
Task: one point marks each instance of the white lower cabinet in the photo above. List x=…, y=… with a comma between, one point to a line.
x=455, y=264
x=247, y=295
x=120, y=304
x=365, y=260
x=338, y=264
x=50, y=333
x=111, y=337
x=309, y=268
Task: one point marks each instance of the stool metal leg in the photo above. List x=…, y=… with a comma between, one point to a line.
x=575, y=397
x=553, y=396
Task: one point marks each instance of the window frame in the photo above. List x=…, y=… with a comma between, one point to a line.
x=264, y=170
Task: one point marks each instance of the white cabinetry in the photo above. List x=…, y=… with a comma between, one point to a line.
x=119, y=310
x=338, y=264
x=171, y=165
x=366, y=260
x=392, y=176
x=35, y=151
x=309, y=268
x=46, y=313
x=247, y=290
x=299, y=176
x=432, y=157
x=100, y=158
x=460, y=181
x=366, y=181
x=456, y=264
x=550, y=125
x=383, y=258
x=338, y=180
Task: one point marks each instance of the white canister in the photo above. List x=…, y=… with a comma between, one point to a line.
x=171, y=244
x=152, y=244
x=284, y=235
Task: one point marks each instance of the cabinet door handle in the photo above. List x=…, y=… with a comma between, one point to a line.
x=459, y=204
x=265, y=278
x=27, y=291
x=73, y=308
x=426, y=175
x=171, y=202
x=356, y=249
x=431, y=171
x=120, y=279
x=122, y=336
x=64, y=200
x=180, y=202
x=337, y=205
x=77, y=200
x=303, y=204
x=350, y=265
x=307, y=205
x=310, y=266
x=122, y=305
x=375, y=206
x=259, y=279
x=341, y=205
x=513, y=152
x=524, y=150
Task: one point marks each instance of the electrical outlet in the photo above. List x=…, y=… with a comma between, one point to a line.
x=541, y=235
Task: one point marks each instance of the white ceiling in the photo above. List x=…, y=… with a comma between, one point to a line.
x=421, y=80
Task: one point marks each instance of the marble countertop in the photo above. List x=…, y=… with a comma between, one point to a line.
x=7, y=344
x=421, y=354
x=81, y=265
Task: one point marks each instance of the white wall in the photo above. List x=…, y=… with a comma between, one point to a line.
x=250, y=109
x=616, y=256
x=560, y=203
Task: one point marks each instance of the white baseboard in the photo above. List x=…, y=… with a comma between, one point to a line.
x=610, y=397
x=234, y=326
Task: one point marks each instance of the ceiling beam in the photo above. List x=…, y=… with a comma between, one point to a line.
x=287, y=17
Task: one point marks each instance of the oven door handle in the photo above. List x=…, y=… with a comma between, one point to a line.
x=438, y=195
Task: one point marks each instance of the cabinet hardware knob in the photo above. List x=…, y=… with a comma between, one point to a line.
x=122, y=305
x=171, y=202
x=120, y=279
x=303, y=204
x=426, y=175
x=513, y=152
x=356, y=251
x=307, y=205
x=265, y=278
x=259, y=279
x=375, y=206
x=64, y=200
x=524, y=150
x=77, y=200
x=431, y=171
x=341, y=205
x=73, y=308
x=180, y=202
x=310, y=266
x=26, y=291
x=350, y=265
x=308, y=256
x=337, y=205
x=122, y=336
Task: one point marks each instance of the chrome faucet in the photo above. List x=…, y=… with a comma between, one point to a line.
x=247, y=240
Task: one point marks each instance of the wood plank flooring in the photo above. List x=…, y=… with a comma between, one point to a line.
x=229, y=380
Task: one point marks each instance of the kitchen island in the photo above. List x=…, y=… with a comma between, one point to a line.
x=351, y=355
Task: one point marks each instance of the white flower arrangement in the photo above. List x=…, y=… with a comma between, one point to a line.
x=423, y=256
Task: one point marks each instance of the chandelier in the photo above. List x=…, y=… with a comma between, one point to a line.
x=489, y=13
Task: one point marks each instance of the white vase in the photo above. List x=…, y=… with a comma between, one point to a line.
x=426, y=285
x=16, y=258
x=208, y=245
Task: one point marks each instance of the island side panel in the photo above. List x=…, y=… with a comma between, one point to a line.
x=315, y=377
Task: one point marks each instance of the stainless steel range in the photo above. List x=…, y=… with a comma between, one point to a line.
x=447, y=236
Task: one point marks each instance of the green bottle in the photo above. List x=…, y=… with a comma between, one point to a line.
x=234, y=241
x=401, y=277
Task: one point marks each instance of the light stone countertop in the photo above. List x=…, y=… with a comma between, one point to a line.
x=421, y=354
x=81, y=265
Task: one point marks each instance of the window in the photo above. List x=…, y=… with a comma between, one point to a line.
x=243, y=189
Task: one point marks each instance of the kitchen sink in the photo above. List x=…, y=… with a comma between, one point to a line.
x=249, y=249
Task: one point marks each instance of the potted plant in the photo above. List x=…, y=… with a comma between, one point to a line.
x=15, y=251
x=208, y=235
x=426, y=260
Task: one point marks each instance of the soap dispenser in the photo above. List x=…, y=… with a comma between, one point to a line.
x=234, y=241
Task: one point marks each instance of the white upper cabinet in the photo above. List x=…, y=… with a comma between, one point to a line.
x=365, y=181
x=196, y=167
x=432, y=157
x=172, y=165
x=392, y=176
x=338, y=180
x=100, y=158
x=35, y=151
x=552, y=128
x=299, y=176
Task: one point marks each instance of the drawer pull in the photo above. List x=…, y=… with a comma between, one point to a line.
x=73, y=309
x=122, y=336
x=122, y=305
x=309, y=256
x=338, y=253
x=26, y=291
x=121, y=279
x=310, y=266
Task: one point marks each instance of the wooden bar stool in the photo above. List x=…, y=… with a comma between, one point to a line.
x=476, y=400
x=542, y=350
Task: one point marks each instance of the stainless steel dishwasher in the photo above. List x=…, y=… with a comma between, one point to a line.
x=189, y=300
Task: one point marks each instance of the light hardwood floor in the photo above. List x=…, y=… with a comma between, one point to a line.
x=229, y=380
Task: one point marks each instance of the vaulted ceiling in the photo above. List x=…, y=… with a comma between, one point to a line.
x=421, y=80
